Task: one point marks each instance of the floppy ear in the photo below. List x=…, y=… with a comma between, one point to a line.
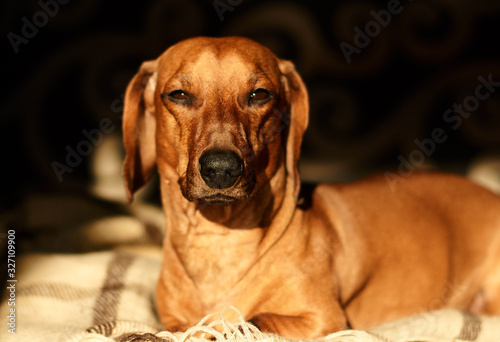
x=298, y=107
x=139, y=129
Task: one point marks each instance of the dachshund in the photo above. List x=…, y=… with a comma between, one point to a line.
x=221, y=120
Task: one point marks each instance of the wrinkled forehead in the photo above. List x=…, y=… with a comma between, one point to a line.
x=219, y=60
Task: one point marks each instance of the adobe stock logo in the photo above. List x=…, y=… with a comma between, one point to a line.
x=29, y=29
x=371, y=30
x=92, y=139
x=454, y=116
x=222, y=7
x=84, y=148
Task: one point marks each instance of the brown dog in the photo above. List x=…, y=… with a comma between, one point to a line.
x=222, y=120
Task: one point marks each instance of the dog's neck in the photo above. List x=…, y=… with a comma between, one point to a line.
x=197, y=236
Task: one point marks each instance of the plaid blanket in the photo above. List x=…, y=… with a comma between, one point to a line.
x=108, y=296
x=104, y=289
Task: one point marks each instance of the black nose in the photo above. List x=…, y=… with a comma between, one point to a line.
x=220, y=169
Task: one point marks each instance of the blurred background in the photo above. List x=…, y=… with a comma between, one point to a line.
x=382, y=76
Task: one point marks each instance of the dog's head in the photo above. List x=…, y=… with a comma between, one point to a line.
x=224, y=114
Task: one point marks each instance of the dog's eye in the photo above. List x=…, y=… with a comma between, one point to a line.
x=260, y=96
x=178, y=96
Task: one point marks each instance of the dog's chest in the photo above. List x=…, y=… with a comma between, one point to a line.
x=217, y=263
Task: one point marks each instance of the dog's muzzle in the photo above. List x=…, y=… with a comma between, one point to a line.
x=220, y=169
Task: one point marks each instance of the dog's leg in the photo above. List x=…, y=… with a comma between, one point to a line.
x=296, y=327
x=487, y=298
x=490, y=293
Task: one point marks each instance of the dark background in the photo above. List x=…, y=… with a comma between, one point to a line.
x=365, y=115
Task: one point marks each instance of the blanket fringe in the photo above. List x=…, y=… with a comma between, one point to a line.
x=218, y=330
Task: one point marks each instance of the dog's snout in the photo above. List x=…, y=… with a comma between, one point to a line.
x=220, y=169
